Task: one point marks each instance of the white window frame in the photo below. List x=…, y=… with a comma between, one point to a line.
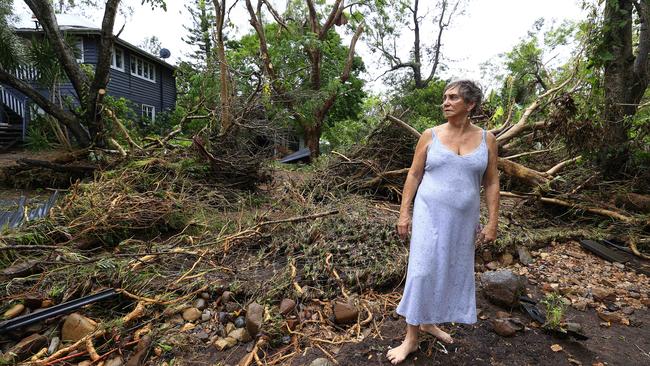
x=80, y=47
x=114, y=58
x=153, y=112
x=144, y=64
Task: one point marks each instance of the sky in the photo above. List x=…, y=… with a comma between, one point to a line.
x=488, y=28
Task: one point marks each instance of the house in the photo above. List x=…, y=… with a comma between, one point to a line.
x=147, y=81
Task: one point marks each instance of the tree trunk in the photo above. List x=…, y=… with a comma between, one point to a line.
x=224, y=74
x=625, y=81
x=311, y=135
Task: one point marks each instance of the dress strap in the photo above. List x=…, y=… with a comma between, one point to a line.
x=484, y=135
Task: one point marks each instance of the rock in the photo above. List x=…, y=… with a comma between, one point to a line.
x=581, y=304
x=200, y=304
x=115, y=361
x=137, y=359
x=27, y=347
x=230, y=327
x=503, y=287
x=226, y=297
x=205, y=296
x=240, y=334
x=573, y=327
x=321, y=362
x=47, y=303
x=85, y=363
x=634, y=295
x=22, y=269
x=609, y=316
x=524, y=255
x=502, y=315
x=628, y=310
x=206, y=315
x=191, y=314
x=503, y=328
x=14, y=311
x=240, y=322
x=603, y=294
x=506, y=259
x=345, y=313
x=254, y=318
x=492, y=265
x=54, y=345
x=487, y=255
x=77, y=326
x=286, y=306
x=224, y=343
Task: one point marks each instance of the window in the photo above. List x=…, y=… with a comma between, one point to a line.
x=117, y=59
x=143, y=69
x=148, y=113
x=79, y=52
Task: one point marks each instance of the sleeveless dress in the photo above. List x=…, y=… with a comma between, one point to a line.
x=440, y=277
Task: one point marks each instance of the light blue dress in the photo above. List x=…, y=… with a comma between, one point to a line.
x=440, y=279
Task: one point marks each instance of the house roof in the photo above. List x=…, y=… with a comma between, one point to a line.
x=76, y=24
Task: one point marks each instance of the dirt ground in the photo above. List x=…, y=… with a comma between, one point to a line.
x=478, y=344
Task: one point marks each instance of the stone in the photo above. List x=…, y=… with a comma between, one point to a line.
x=54, y=345
x=492, y=265
x=487, y=255
x=628, y=310
x=230, y=327
x=206, y=315
x=224, y=317
x=240, y=322
x=224, y=343
x=14, y=311
x=502, y=315
x=524, y=255
x=503, y=328
x=254, y=318
x=226, y=297
x=581, y=304
x=602, y=294
x=27, y=347
x=240, y=334
x=77, y=326
x=573, y=327
x=345, y=313
x=191, y=314
x=609, y=316
x=205, y=296
x=200, y=304
x=85, y=363
x=634, y=295
x=503, y=287
x=506, y=259
x=321, y=362
x=22, y=269
x=115, y=361
x=286, y=306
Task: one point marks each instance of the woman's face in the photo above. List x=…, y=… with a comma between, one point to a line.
x=454, y=105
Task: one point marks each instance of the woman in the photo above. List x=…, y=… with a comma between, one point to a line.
x=449, y=165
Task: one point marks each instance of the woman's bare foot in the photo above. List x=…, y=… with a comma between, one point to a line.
x=437, y=332
x=399, y=354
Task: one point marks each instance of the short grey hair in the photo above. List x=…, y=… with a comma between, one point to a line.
x=469, y=91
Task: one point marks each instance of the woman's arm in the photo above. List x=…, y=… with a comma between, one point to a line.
x=491, y=185
x=411, y=185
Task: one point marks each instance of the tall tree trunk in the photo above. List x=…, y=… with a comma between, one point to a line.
x=417, y=58
x=224, y=73
x=311, y=134
x=625, y=80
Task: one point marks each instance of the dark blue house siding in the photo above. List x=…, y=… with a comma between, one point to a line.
x=161, y=94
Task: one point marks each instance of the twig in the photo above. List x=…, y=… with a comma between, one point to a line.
x=561, y=165
x=526, y=154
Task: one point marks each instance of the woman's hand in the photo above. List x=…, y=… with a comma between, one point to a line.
x=404, y=226
x=488, y=234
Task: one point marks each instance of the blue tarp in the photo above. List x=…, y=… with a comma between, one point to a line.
x=300, y=155
x=15, y=218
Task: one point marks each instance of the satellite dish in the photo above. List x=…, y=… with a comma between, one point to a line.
x=164, y=53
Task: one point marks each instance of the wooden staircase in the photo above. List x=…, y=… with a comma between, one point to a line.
x=12, y=128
